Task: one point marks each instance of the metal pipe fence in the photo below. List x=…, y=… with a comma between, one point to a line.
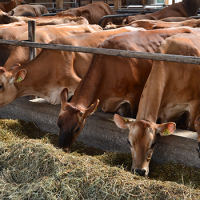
x=109, y=52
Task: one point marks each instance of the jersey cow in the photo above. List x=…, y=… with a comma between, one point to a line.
x=157, y=24
x=171, y=90
x=110, y=81
x=186, y=8
x=29, y=10
x=67, y=20
x=52, y=70
x=45, y=34
x=6, y=7
x=94, y=12
x=9, y=33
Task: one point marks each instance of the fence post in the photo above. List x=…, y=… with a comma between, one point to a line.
x=59, y=4
x=32, y=38
x=117, y=4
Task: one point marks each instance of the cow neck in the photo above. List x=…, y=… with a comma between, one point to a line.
x=29, y=85
x=191, y=7
x=85, y=93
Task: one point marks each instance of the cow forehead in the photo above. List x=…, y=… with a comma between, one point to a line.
x=140, y=131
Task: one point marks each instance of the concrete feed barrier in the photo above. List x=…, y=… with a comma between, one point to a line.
x=101, y=132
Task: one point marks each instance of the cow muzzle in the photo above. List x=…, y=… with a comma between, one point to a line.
x=141, y=172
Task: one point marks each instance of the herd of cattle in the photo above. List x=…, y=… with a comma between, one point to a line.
x=157, y=93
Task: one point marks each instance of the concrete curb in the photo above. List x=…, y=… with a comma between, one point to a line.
x=101, y=132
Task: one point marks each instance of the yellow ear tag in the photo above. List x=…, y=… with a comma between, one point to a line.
x=95, y=108
x=19, y=79
x=125, y=119
x=166, y=132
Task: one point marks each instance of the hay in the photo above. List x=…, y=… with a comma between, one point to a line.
x=35, y=169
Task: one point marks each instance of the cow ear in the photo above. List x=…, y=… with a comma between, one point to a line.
x=64, y=95
x=121, y=122
x=166, y=129
x=91, y=109
x=19, y=76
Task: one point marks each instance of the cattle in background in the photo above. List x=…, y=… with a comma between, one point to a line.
x=29, y=10
x=176, y=19
x=157, y=24
x=45, y=34
x=171, y=90
x=93, y=13
x=6, y=7
x=9, y=33
x=186, y=8
x=5, y=19
x=41, y=21
x=110, y=81
x=68, y=20
x=52, y=70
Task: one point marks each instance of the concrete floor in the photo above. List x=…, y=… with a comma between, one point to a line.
x=100, y=131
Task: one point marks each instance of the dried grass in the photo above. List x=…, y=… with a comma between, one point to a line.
x=32, y=168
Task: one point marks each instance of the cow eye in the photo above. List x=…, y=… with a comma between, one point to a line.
x=129, y=143
x=77, y=129
x=153, y=145
x=1, y=87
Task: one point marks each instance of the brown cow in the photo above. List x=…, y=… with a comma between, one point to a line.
x=171, y=90
x=111, y=80
x=69, y=20
x=94, y=12
x=9, y=33
x=29, y=10
x=186, y=8
x=6, y=7
x=52, y=70
x=45, y=34
x=157, y=24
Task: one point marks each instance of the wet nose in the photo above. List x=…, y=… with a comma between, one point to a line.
x=141, y=172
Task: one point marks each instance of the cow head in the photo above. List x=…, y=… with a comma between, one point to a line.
x=142, y=140
x=71, y=121
x=197, y=127
x=8, y=90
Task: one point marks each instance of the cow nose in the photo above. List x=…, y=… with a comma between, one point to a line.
x=141, y=172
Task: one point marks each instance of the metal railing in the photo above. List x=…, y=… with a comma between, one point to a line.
x=110, y=52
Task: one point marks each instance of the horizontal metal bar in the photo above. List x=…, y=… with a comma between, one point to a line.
x=111, y=52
